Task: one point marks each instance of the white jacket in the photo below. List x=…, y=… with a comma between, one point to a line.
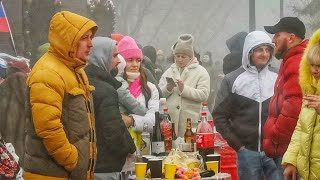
x=186, y=104
x=153, y=106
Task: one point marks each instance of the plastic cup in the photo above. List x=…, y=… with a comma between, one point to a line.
x=141, y=170
x=155, y=166
x=213, y=165
x=169, y=171
x=214, y=157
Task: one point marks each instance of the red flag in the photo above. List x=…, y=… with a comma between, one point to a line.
x=4, y=26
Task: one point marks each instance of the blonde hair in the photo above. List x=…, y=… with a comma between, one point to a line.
x=313, y=55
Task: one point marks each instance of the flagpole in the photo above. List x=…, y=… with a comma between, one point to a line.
x=14, y=46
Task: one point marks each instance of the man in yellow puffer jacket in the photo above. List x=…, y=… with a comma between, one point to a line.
x=60, y=141
x=303, y=155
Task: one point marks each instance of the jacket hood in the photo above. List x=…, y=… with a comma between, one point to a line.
x=65, y=31
x=235, y=43
x=305, y=76
x=150, y=52
x=101, y=53
x=253, y=40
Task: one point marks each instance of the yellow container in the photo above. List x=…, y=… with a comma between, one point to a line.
x=141, y=170
x=169, y=171
x=213, y=165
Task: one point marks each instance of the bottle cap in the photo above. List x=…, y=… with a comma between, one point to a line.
x=205, y=104
x=163, y=100
x=165, y=109
x=204, y=114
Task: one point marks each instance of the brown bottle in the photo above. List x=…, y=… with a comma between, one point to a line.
x=174, y=136
x=188, y=135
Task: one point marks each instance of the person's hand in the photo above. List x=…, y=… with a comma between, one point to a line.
x=290, y=172
x=313, y=102
x=180, y=85
x=170, y=86
x=128, y=121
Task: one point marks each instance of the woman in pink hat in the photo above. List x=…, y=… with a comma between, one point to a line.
x=144, y=91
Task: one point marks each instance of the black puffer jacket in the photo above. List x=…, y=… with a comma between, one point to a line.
x=113, y=139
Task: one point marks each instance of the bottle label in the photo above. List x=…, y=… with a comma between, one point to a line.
x=205, y=140
x=158, y=147
x=188, y=140
x=166, y=130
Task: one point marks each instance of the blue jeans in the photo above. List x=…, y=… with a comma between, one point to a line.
x=253, y=165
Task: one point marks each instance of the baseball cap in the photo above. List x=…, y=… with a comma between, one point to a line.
x=288, y=24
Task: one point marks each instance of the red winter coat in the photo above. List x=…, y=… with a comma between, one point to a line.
x=285, y=105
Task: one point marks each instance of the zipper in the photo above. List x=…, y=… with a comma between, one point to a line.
x=260, y=110
x=89, y=106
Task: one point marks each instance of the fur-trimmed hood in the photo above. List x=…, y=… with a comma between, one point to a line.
x=305, y=76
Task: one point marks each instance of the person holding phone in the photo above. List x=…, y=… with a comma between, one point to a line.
x=185, y=84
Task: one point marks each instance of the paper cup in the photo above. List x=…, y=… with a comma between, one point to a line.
x=169, y=171
x=141, y=170
x=213, y=165
x=214, y=157
x=155, y=166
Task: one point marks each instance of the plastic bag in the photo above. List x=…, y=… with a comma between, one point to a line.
x=187, y=160
x=8, y=165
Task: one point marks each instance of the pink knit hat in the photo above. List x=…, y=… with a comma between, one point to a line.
x=128, y=48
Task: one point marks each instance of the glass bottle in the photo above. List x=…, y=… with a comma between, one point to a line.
x=145, y=146
x=166, y=129
x=157, y=146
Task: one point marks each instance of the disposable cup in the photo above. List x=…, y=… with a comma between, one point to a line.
x=169, y=171
x=213, y=165
x=214, y=157
x=141, y=170
x=155, y=166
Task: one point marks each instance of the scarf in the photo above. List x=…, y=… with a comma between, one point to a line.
x=131, y=76
x=135, y=86
x=135, y=90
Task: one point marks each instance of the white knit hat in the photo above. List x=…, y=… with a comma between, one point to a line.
x=184, y=45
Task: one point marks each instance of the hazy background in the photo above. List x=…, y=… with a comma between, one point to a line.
x=150, y=22
x=211, y=22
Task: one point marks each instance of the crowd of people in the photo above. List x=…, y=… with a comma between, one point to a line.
x=79, y=111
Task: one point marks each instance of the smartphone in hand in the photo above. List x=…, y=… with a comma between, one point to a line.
x=170, y=80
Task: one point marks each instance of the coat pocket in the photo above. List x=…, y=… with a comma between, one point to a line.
x=80, y=171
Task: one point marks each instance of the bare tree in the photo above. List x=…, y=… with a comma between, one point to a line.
x=311, y=11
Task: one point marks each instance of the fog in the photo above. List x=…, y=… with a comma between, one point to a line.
x=150, y=22
x=211, y=22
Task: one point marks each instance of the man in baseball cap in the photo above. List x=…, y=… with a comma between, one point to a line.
x=288, y=32
x=285, y=105
x=289, y=25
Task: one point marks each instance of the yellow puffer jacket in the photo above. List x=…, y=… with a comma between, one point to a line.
x=304, y=149
x=60, y=141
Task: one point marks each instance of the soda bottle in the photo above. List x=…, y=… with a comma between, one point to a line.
x=205, y=108
x=204, y=137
